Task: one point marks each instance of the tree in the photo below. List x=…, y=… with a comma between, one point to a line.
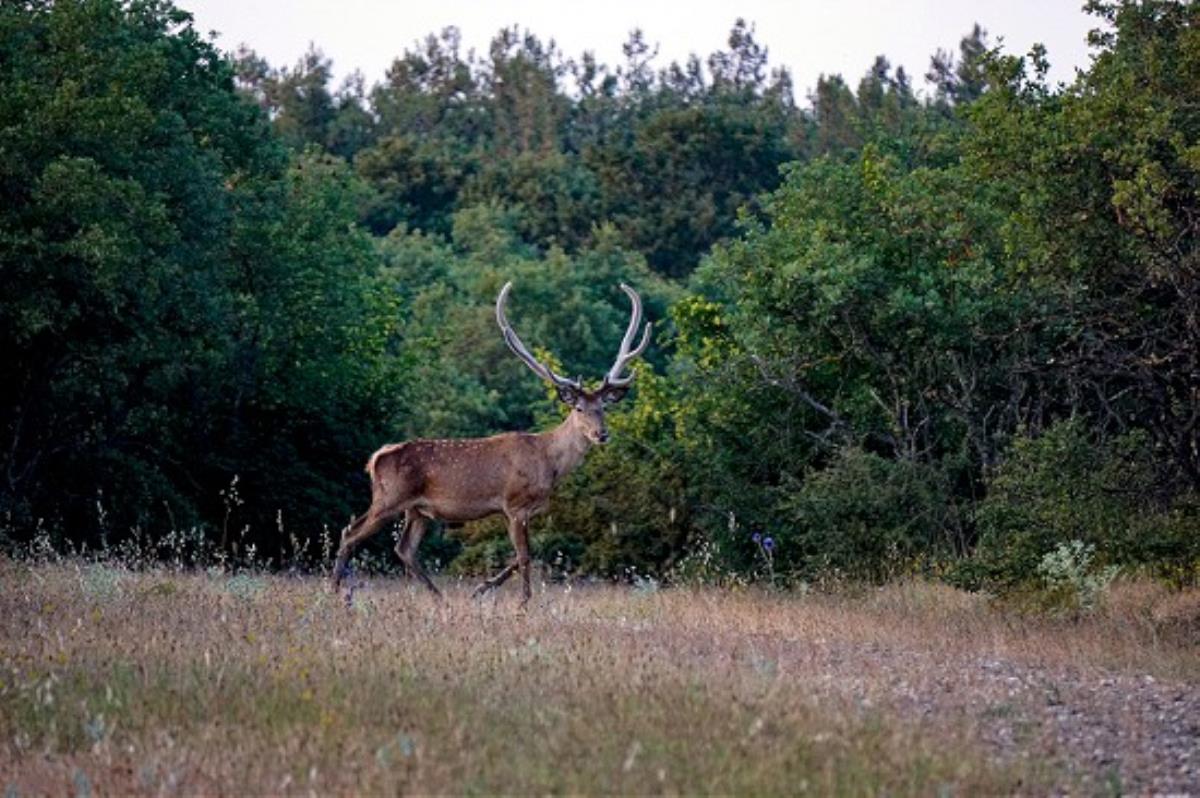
x=126, y=153
x=301, y=107
x=1101, y=186
x=961, y=80
x=185, y=308
x=835, y=118
x=868, y=327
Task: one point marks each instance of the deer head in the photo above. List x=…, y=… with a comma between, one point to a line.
x=587, y=407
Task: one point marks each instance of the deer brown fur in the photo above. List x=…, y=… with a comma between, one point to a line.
x=513, y=473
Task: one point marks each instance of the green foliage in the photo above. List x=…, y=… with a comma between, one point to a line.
x=125, y=155
x=554, y=199
x=627, y=509
x=1099, y=186
x=863, y=337
x=866, y=517
x=891, y=332
x=1064, y=487
x=669, y=159
x=676, y=188
x=923, y=310
x=313, y=328
x=961, y=81
x=417, y=182
x=303, y=110
x=1069, y=575
x=186, y=306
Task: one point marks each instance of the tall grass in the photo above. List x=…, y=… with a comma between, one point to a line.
x=114, y=680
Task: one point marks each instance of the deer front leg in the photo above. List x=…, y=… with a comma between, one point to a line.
x=518, y=530
x=518, y=534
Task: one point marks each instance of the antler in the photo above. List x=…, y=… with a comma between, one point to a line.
x=518, y=348
x=614, y=379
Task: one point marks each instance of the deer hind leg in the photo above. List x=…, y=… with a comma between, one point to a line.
x=402, y=543
x=410, y=541
x=359, y=530
x=496, y=580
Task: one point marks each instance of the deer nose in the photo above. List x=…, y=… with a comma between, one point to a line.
x=602, y=436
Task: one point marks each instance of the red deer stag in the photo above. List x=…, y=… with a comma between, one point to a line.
x=512, y=473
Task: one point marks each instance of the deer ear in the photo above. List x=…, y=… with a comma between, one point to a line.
x=568, y=395
x=614, y=394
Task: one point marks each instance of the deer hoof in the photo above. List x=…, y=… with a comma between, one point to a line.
x=335, y=579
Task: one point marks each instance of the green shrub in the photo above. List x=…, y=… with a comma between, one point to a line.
x=866, y=517
x=1069, y=574
x=1066, y=487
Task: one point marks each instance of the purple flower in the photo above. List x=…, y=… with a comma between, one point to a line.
x=756, y=537
x=768, y=543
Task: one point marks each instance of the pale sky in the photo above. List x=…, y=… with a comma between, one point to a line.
x=810, y=37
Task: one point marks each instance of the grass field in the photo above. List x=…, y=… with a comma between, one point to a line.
x=114, y=681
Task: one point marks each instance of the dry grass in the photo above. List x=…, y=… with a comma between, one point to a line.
x=114, y=681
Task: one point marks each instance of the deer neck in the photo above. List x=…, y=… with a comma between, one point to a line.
x=566, y=446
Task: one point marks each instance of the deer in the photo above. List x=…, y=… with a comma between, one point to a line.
x=512, y=473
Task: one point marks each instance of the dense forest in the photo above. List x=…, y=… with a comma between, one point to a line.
x=951, y=330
